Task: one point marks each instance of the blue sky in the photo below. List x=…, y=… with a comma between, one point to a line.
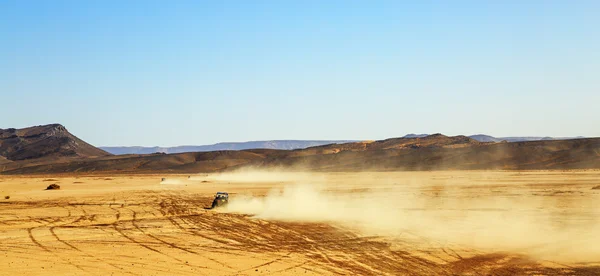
x=197, y=72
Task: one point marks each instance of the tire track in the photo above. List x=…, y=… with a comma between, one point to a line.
x=45, y=248
x=173, y=225
x=290, y=268
x=51, y=229
x=35, y=241
x=265, y=264
x=173, y=245
x=122, y=233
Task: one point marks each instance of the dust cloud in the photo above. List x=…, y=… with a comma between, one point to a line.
x=461, y=213
x=171, y=181
x=264, y=176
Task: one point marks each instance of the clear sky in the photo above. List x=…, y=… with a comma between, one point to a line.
x=197, y=72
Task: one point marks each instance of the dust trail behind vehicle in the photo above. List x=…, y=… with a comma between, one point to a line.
x=553, y=221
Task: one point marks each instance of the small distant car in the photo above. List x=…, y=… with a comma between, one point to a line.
x=221, y=199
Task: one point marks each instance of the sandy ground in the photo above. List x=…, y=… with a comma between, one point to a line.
x=417, y=223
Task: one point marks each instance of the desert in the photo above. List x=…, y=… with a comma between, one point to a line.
x=266, y=137
x=303, y=223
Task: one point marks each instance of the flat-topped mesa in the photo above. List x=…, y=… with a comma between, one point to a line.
x=46, y=130
x=52, y=140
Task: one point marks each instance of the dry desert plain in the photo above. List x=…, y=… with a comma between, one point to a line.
x=278, y=223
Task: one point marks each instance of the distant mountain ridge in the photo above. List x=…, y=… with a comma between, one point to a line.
x=487, y=138
x=271, y=144
x=295, y=144
x=432, y=152
x=52, y=149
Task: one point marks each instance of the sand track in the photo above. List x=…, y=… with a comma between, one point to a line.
x=152, y=230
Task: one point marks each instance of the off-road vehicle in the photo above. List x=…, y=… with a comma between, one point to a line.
x=221, y=199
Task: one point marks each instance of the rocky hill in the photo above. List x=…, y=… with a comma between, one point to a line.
x=47, y=141
x=433, y=152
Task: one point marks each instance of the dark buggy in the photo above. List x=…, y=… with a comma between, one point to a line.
x=221, y=199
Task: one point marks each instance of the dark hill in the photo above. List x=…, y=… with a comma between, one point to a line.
x=534, y=155
x=433, y=152
x=44, y=141
x=431, y=141
x=148, y=163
